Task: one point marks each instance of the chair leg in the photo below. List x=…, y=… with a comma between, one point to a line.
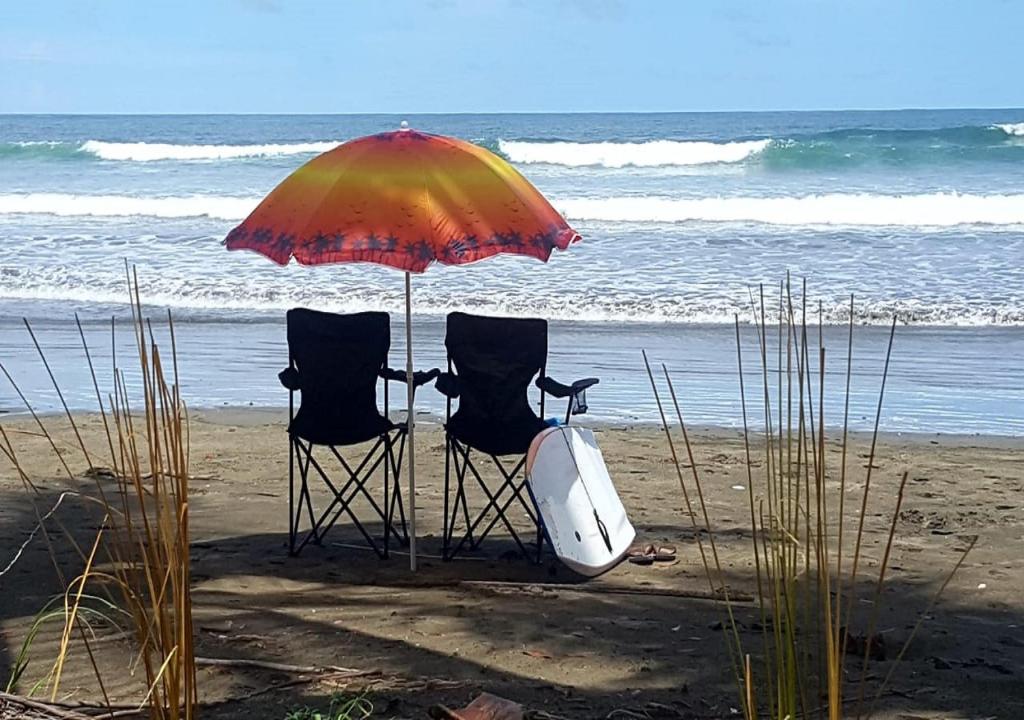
x=396, y=501
x=444, y=516
x=460, y=497
x=510, y=482
x=460, y=470
x=361, y=475
x=493, y=499
x=304, y=499
x=497, y=502
x=387, y=498
x=453, y=453
x=343, y=496
x=540, y=525
x=292, y=530
x=381, y=453
x=500, y=511
x=304, y=494
x=357, y=480
x=540, y=540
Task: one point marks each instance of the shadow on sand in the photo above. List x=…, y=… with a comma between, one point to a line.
x=571, y=650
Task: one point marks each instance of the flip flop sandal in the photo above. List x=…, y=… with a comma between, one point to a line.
x=665, y=553
x=642, y=559
x=641, y=554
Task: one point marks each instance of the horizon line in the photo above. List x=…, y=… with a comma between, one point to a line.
x=514, y=112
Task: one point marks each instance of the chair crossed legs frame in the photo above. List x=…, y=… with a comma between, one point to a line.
x=457, y=454
x=383, y=453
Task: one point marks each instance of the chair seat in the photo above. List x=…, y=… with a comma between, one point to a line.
x=507, y=436
x=342, y=430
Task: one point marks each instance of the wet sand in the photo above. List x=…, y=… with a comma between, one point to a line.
x=575, y=650
x=941, y=379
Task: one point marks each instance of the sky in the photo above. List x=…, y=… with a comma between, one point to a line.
x=416, y=56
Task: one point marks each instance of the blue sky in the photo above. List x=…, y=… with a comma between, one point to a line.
x=407, y=56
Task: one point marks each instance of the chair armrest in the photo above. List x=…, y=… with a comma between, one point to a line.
x=290, y=378
x=556, y=389
x=392, y=374
x=419, y=377
x=448, y=384
x=577, y=393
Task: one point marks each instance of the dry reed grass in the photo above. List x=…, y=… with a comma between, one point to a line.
x=806, y=580
x=139, y=558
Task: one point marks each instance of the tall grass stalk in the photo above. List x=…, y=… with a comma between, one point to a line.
x=141, y=551
x=805, y=592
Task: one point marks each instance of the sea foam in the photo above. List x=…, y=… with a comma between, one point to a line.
x=849, y=209
x=245, y=299
x=147, y=152
x=625, y=154
x=1015, y=129
x=925, y=210
x=212, y=206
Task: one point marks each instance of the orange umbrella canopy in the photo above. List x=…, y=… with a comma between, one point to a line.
x=403, y=199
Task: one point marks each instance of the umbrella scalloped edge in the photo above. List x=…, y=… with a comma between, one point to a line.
x=414, y=257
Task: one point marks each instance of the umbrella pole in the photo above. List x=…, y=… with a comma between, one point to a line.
x=411, y=421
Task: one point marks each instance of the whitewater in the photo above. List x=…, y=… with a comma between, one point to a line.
x=687, y=221
x=837, y=146
x=919, y=213
x=653, y=153
x=149, y=152
x=842, y=210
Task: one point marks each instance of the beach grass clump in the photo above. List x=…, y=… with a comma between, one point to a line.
x=92, y=610
x=807, y=554
x=341, y=707
x=138, y=564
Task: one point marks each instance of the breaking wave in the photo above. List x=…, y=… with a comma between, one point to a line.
x=847, y=147
x=211, y=206
x=654, y=153
x=148, y=152
x=1014, y=129
x=844, y=147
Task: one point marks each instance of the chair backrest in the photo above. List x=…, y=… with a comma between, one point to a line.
x=495, y=360
x=338, y=358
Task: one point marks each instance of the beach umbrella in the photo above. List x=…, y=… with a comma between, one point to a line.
x=405, y=199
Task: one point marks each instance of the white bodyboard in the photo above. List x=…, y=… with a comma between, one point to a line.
x=585, y=521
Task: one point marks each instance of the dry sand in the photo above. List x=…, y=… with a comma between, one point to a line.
x=570, y=650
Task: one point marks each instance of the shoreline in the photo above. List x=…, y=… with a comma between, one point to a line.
x=246, y=416
x=243, y=416
x=38, y=310
x=953, y=381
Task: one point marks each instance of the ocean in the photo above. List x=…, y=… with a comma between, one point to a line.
x=684, y=216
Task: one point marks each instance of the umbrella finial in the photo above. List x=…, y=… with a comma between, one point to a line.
x=404, y=125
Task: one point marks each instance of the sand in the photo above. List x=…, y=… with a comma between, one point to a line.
x=573, y=650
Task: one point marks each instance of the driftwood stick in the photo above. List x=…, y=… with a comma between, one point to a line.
x=91, y=708
x=101, y=712
x=44, y=708
x=604, y=590
x=281, y=667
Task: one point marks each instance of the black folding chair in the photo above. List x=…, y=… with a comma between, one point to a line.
x=335, y=362
x=491, y=362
